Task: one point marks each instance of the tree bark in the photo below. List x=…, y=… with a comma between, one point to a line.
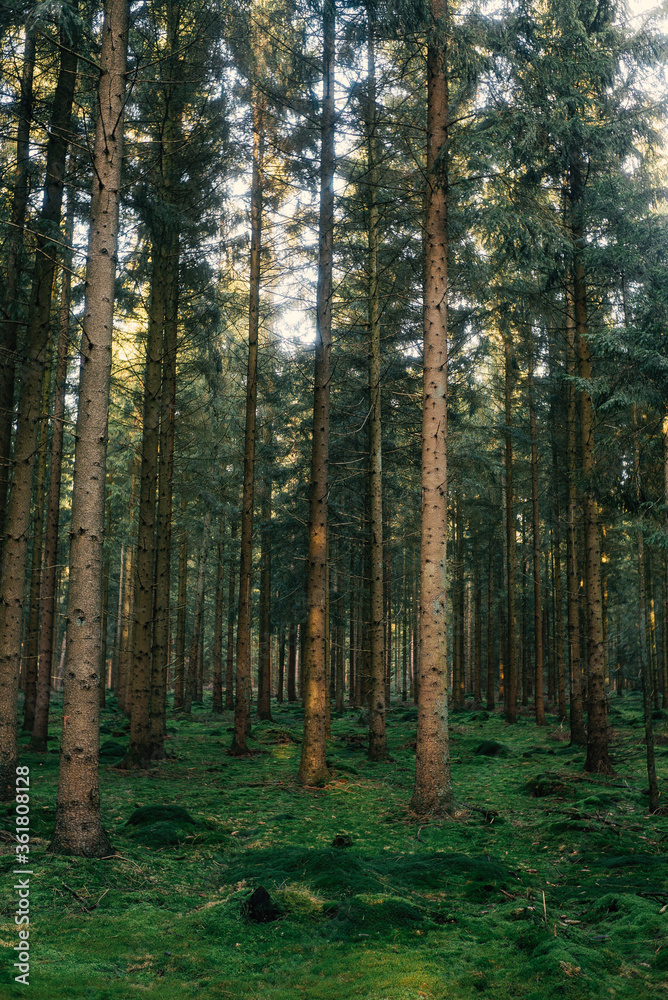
x=40, y=727
x=17, y=526
x=78, y=826
x=510, y=680
x=141, y=750
x=243, y=672
x=191, y=687
x=13, y=252
x=313, y=768
x=217, y=707
x=377, y=737
x=432, y=792
x=578, y=731
x=537, y=587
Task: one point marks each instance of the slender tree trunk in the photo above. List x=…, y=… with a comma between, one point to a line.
x=13, y=252
x=191, y=687
x=229, y=670
x=510, y=683
x=243, y=672
x=78, y=826
x=36, y=559
x=218, y=632
x=180, y=653
x=46, y=638
x=280, y=686
x=313, y=768
x=537, y=587
x=264, y=640
x=17, y=522
x=645, y=665
x=141, y=750
x=578, y=732
x=377, y=737
x=598, y=758
x=292, y=663
x=432, y=793
x=490, y=632
x=163, y=554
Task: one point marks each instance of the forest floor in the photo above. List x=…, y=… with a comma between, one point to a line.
x=555, y=884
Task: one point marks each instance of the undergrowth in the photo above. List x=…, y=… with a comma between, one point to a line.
x=545, y=882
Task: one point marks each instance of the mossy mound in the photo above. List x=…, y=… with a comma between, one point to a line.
x=545, y=784
x=364, y=915
x=158, y=813
x=336, y=873
x=161, y=834
x=490, y=748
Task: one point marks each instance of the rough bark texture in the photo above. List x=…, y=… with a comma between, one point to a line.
x=46, y=636
x=598, y=759
x=13, y=252
x=217, y=706
x=229, y=669
x=140, y=752
x=645, y=668
x=78, y=826
x=510, y=680
x=312, y=768
x=537, y=589
x=243, y=671
x=17, y=524
x=377, y=737
x=191, y=690
x=432, y=793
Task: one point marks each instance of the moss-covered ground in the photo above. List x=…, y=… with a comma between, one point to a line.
x=547, y=882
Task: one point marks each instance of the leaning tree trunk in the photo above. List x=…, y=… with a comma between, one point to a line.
x=433, y=787
x=377, y=737
x=313, y=768
x=17, y=526
x=78, y=825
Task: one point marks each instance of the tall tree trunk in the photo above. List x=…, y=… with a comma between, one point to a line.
x=180, y=653
x=36, y=558
x=217, y=707
x=17, y=524
x=46, y=637
x=645, y=665
x=13, y=252
x=191, y=687
x=477, y=615
x=264, y=630
x=377, y=737
x=490, y=632
x=292, y=663
x=312, y=767
x=433, y=787
x=160, y=647
x=537, y=588
x=140, y=752
x=510, y=680
x=597, y=728
x=243, y=672
x=229, y=669
x=78, y=826
x=578, y=732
